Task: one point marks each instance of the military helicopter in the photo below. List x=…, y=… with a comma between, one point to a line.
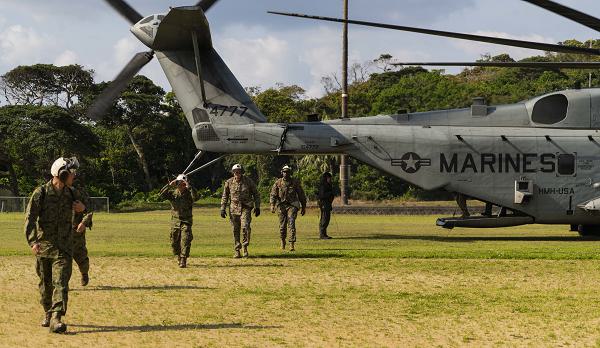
x=539, y=160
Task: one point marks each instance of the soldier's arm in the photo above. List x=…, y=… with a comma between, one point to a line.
x=301, y=195
x=166, y=192
x=31, y=216
x=225, y=195
x=274, y=196
x=255, y=194
x=194, y=193
x=88, y=213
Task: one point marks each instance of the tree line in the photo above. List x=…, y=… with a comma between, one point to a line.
x=145, y=139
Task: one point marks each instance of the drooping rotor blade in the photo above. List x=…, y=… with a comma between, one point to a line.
x=206, y=4
x=125, y=10
x=535, y=65
x=106, y=99
x=567, y=12
x=470, y=37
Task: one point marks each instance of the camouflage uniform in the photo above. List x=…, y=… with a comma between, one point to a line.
x=242, y=196
x=181, y=218
x=288, y=197
x=80, y=252
x=48, y=222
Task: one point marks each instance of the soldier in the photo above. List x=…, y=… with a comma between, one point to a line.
x=182, y=196
x=240, y=191
x=287, y=196
x=82, y=221
x=48, y=229
x=326, y=196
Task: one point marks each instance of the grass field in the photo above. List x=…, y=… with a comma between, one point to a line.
x=383, y=281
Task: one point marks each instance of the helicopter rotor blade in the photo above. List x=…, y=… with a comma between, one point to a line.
x=106, y=99
x=206, y=4
x=567, y=12
x=534, y=65
x=125, y=10
x=470, y=37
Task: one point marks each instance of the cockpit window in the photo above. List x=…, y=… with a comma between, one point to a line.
x=551, y=109
x=147, y=20
x=161, y=17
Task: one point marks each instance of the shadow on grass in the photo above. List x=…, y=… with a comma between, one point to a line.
x=241, y=265
x=299, y=255
x=151, y=328
x=471, y=239
x=141, y=287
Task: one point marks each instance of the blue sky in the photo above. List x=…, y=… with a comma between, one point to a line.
x=263, y=49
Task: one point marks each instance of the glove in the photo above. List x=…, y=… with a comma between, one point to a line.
x=223, y=213
x=256, y=212
x=303, y=211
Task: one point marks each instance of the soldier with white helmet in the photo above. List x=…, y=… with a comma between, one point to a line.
x=240, y=193
x=48, y=229
x=182, y=196
x=288, y=197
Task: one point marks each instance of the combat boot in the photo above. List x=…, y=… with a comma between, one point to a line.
x=179, y=259
x=292, y=246
x=46, y=321
x=85, y=279
x=245, y=251
x=183, y=262
x=237, y=255
x=283, y=244
x=56, y=324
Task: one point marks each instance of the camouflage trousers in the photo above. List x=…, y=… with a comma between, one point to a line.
x=287, y=220
x=181, y=238
x=54, y=274
x=241, y=223
x=324, y=221
x=80, y=253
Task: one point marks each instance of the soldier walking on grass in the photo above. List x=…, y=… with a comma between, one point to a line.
x=48, y=229
x=81, y=221
x=326, y=196
x=288, y=197
x=241, y=194
x=182, y=196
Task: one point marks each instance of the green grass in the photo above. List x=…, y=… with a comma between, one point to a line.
x=383, y=281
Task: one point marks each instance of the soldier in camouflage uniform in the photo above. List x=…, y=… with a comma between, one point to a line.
x=241, y=194
x=81, y=221
x=182, y=196
x=48, y=229
x=288, y=197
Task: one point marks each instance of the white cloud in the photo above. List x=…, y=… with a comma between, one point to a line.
x=256, y=60
x=477, y=48
x=68, y=57
x=125, y=49
x=21, y=45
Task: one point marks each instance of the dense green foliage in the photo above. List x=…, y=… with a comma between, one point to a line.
x=145, y=139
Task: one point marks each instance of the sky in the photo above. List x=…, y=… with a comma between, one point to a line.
x=263, y=50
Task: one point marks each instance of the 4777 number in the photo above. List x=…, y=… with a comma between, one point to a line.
x=221, y=110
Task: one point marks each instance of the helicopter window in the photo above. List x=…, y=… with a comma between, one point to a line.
x=566, y=164
x=161, y=17
x=551, y=109
x=147, y=20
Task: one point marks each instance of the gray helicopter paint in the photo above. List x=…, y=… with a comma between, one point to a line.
x=467, y=151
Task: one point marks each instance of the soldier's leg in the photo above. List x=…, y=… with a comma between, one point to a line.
x=327, y=219
x=80, y=255
x=292, y=214
x=176, y=237
x=186, y=239
x=61, y=274
x=43, y=268
x=246, y=229
x=283, y=222
x=236, y=226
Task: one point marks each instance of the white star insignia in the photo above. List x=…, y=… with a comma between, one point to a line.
x=411, y=163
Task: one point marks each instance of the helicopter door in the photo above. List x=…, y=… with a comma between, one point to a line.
x=595, y=112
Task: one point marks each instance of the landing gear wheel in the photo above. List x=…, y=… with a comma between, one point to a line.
x=589, y=231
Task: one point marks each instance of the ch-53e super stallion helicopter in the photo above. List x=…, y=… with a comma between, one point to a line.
x=539, y=160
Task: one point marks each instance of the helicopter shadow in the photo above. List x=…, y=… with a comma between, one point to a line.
x=142, y=287
x=89, y=329
x=472, y=239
